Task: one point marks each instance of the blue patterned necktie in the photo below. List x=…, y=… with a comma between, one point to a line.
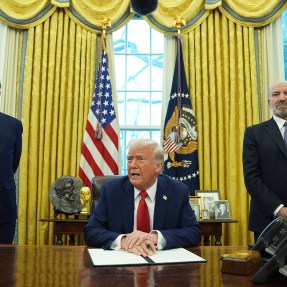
x=285, y=134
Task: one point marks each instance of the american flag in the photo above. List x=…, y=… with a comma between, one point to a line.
x=169, y=144
x=180, y=131
x=100, y=146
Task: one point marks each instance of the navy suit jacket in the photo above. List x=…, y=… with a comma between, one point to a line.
x=265, y=172
x=10, y=152
x=114, y=214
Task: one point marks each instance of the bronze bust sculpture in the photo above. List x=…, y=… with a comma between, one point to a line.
x=65, y=195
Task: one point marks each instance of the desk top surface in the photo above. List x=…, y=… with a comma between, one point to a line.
x=71, y=266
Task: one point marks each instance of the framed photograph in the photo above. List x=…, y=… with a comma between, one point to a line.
x=222, y=210
x=205, y=214
x=196, y=209
x=195, y=200
x=208, y=197
x=195, y=203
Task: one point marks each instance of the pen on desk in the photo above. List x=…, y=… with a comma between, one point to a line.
x=149, y=247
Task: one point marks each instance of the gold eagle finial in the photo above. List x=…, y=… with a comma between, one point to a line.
x=104, y=23
x=178, y=22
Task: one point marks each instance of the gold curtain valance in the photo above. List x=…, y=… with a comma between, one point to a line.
x=256, y=13
x=25, y=14
x=87, y=13
x=193, y=12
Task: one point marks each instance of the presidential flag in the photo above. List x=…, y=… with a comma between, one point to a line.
x=100, y=146
x=180, y=131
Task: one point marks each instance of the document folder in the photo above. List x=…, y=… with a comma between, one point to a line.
x=101, y=257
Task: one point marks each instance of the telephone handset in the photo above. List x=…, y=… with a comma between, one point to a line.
x=273, y=242
x=272, y=237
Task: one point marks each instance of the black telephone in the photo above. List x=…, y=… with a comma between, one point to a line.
x=272, y=243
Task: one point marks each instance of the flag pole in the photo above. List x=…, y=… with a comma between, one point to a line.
x=178, y=22
x=100, y=147
x=104, y=23
x=180, y=129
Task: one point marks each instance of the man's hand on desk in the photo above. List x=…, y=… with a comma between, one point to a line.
x=140, y=243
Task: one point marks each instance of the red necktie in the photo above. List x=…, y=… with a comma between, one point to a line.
x=143, y=223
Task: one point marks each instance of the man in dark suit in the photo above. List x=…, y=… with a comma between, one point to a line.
x=265, y=163
x=113, y=224
x=10, y=153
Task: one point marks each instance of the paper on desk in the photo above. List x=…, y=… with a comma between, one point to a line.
x=102, y=257
x=176, y=255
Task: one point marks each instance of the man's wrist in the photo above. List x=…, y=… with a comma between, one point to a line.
x=123, y=242
x=153, y=236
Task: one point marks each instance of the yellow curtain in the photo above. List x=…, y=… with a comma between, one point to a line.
x=222, y=66
x=58, y=82
x=87, y=13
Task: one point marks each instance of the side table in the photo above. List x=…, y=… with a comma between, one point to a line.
x=213, y=227
x=68, y=226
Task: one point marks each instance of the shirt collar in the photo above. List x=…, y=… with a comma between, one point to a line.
x=151, y=192
x=280, y=122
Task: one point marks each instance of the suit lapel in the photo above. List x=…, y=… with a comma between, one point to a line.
x=163, y=196
x=272, y=129
x=127, y=205
x=3, y=125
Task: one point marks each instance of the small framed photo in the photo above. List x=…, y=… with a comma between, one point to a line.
x=195, y=203
x=222, y=210
x=196, y=209
x=205, y=214
x=195, y=200
x=208, y=197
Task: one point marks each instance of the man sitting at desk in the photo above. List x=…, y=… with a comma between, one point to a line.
x=117, y=220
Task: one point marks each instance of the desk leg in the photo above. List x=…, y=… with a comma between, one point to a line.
x=217, y=239
x=59, y=240
x=206, y=240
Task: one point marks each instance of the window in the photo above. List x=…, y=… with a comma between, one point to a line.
x=139, y=78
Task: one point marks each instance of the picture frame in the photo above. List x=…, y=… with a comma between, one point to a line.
x=208, y=197
x=205, y=214
x=222, y=210
x=195, y=200
x=195, y=203
x=196, y=209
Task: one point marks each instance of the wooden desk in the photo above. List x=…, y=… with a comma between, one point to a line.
x=70, y=266
x=72, y=227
